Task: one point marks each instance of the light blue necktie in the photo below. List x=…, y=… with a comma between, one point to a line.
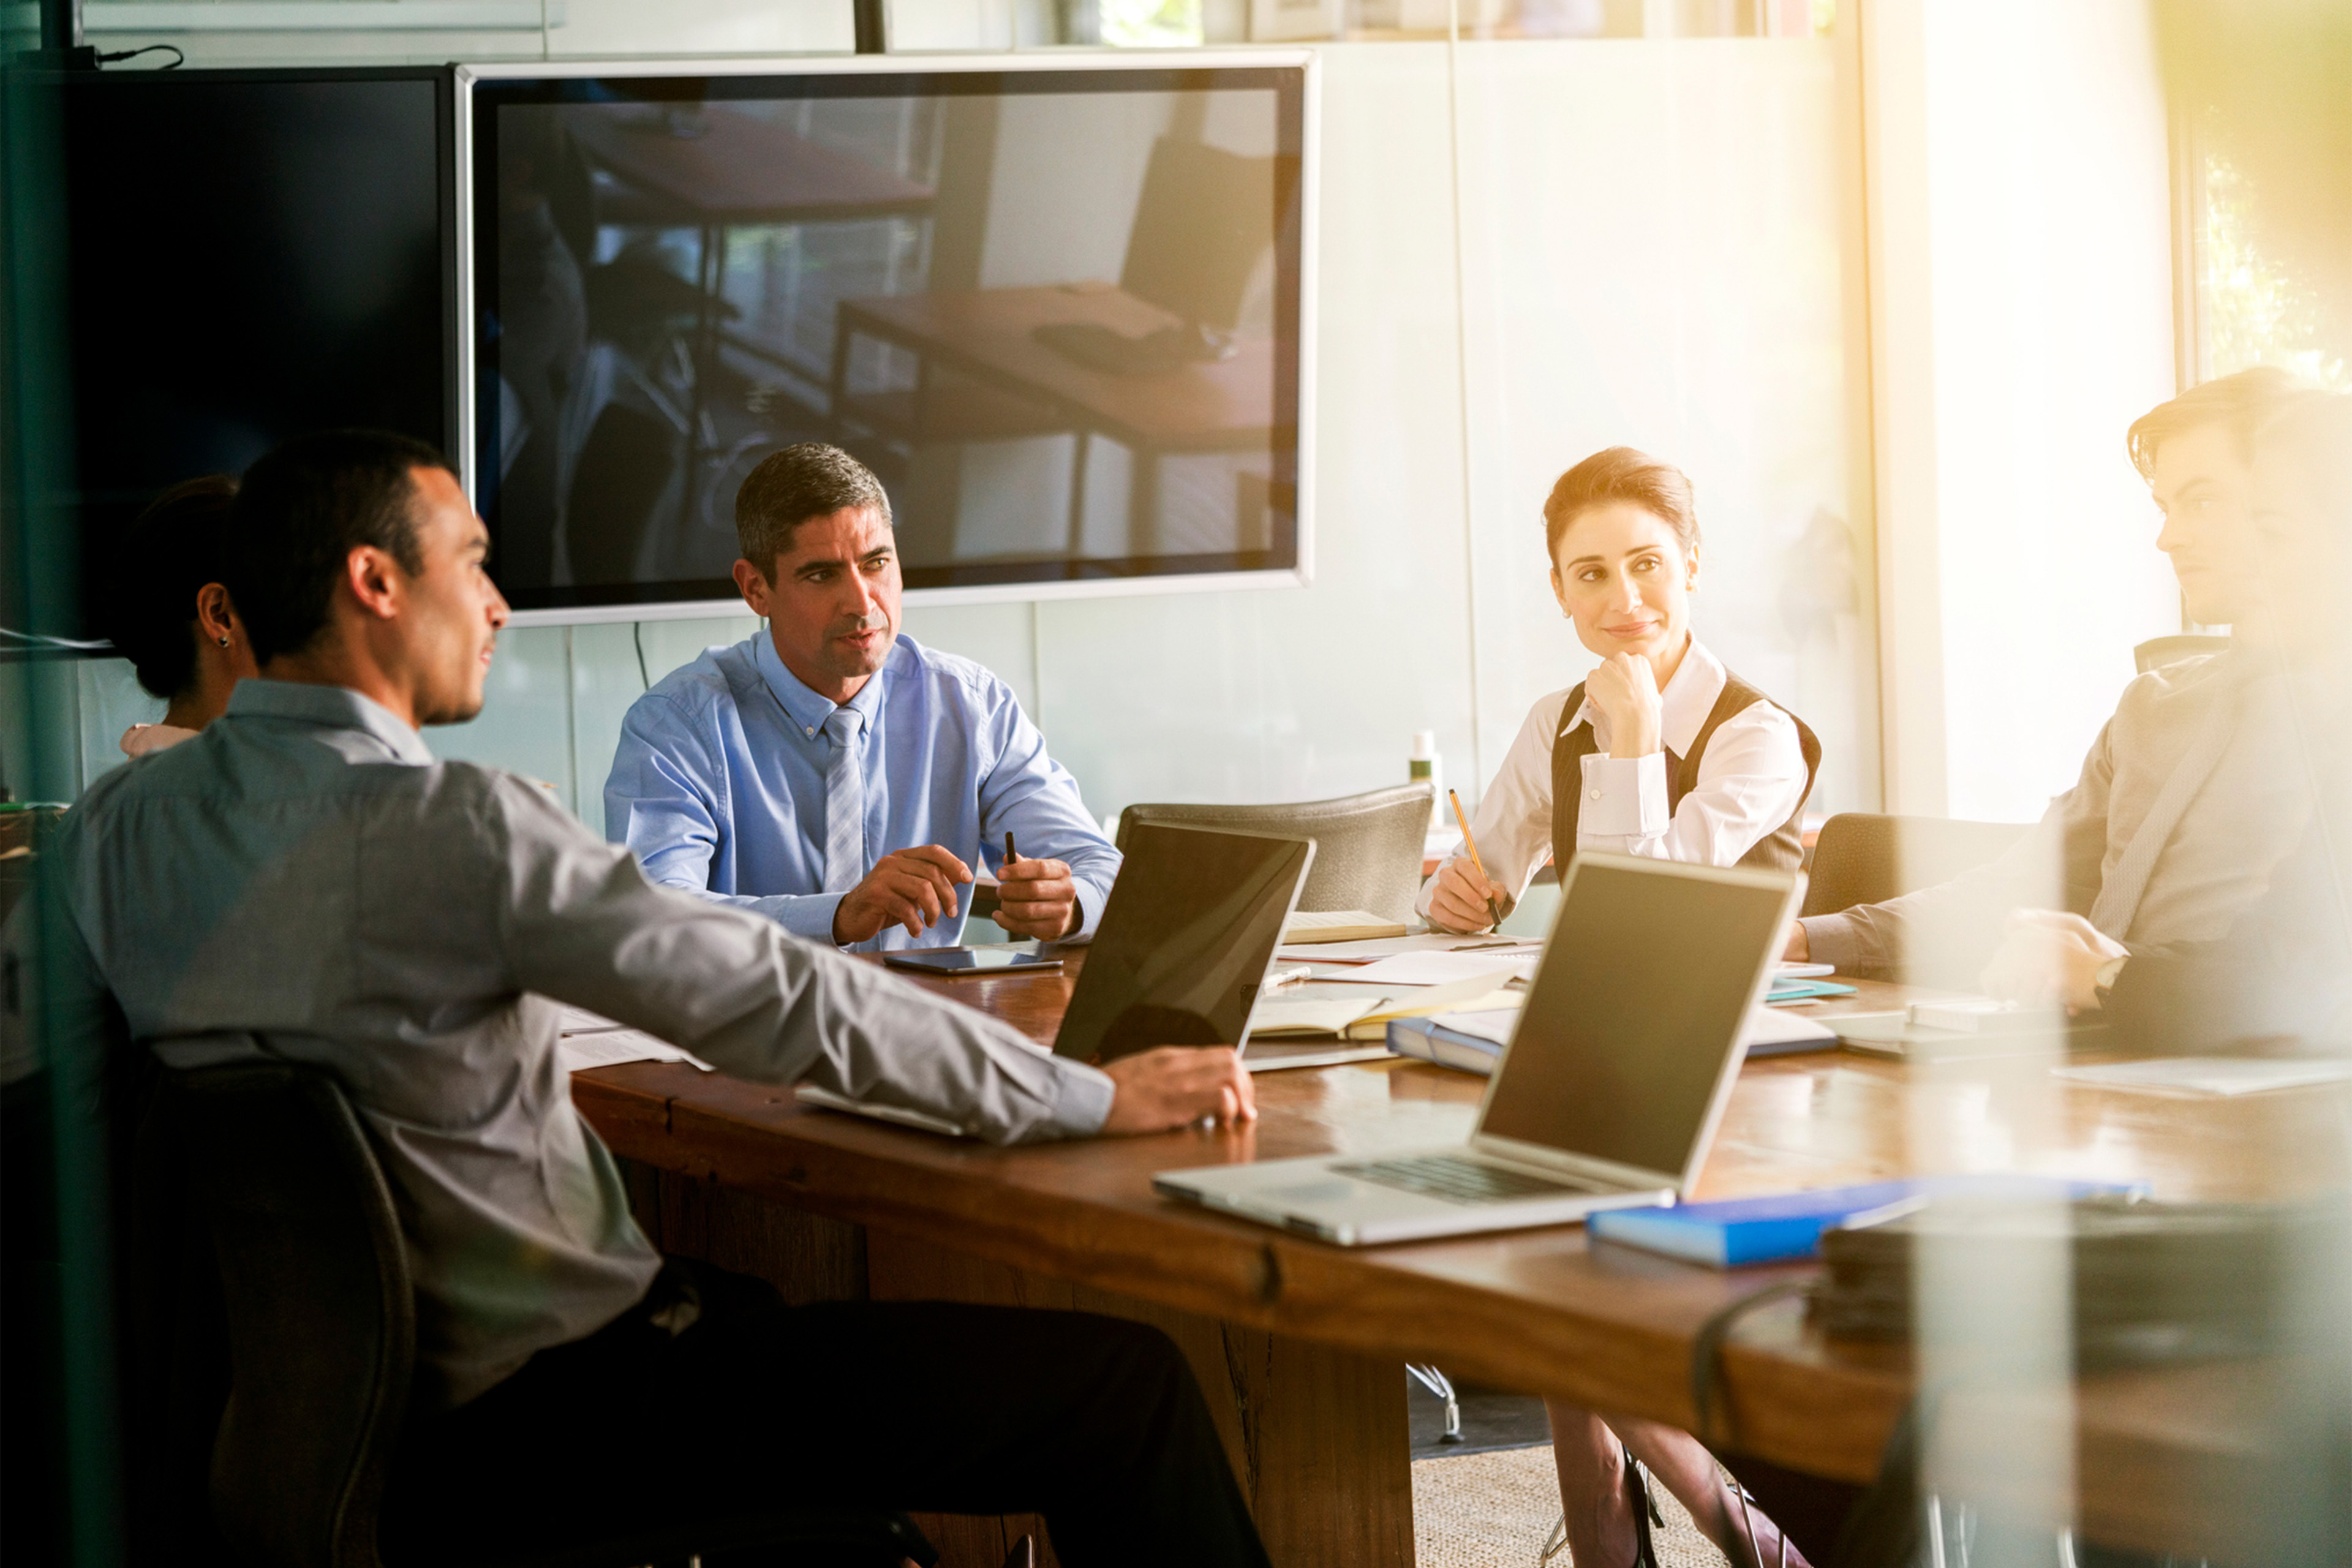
x=844, y=802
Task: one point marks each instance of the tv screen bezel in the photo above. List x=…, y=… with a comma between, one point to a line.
x=722, y=599
x=89, y=640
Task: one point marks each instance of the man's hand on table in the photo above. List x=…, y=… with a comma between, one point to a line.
x=1176, y=1086
x=912, y=888
x=1799, y=947
x=2051, y=957
x=1036, y=897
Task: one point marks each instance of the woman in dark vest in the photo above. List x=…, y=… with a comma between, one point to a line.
x=1659, y=752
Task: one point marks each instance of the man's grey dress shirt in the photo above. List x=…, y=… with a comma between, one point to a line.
x=2212, y=861
x=306, y=870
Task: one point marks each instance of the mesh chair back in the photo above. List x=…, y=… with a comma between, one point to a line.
x=1862, y=857
x=322, y=1318
x=1367, y=847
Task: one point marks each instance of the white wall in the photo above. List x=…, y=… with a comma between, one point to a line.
x=2021, y=276
x=1652, y=259
x=1650, y=250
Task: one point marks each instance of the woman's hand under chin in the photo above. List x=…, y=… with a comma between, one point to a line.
x=1625, y=689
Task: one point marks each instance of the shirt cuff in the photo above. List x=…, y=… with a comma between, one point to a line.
x=1624, y=798
x=1091, y=900
x=1836, y=940
x=1083, y=1104
x=809, y=916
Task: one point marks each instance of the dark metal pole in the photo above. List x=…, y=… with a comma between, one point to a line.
x=873, y=26
x=60, y=25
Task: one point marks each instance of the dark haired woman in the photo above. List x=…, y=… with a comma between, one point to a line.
x=172, y=618
x=1659, y=752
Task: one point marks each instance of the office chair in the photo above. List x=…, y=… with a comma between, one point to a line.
x=1367, y=847
x=322, y=1337
x=2157, y=652
x=1862, y=857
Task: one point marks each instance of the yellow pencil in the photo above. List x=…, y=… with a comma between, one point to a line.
x=1476, y=865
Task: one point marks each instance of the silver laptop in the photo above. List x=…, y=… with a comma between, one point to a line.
x=1184, y=941
x=1177, y=958
x=1607, y=1096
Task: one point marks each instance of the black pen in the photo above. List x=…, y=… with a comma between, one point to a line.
x=1010, y=854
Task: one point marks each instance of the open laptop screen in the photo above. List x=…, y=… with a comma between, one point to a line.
x=1185, y=940
x=1643, y=988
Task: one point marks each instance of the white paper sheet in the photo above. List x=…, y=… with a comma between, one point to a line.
x=1389, y=946
x=2211, y=1075
x=1779, y=1027
x=1309, y=1015
x=1302, y=922
x=1442, y=968
x=611, y=1047
x=573, y=1020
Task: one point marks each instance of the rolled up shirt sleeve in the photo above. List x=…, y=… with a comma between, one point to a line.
x=585, y=926
x=1751, y=779
x=1029, y=794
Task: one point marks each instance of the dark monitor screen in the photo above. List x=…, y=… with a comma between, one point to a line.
x=1184, y=941
x=1633, y=1015
x=250, y=255
x=1057, y=311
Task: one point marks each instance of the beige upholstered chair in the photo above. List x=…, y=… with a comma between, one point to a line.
x=1864, y=859
x=1367, y=847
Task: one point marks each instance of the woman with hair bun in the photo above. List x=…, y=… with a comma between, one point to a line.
x=1660, y=751
x=172, y=618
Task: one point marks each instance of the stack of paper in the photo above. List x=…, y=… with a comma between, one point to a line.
x=587, y=1039
x=1474, y=1039
x=1442, y=968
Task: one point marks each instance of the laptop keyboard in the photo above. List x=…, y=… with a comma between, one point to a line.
x=1457, y=1180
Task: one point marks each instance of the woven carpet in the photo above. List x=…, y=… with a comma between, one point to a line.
x=1493, y=1509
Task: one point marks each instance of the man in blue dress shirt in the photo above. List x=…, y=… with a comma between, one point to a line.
x=833, y=774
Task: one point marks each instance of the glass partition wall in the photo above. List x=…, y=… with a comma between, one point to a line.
x=1548, y=227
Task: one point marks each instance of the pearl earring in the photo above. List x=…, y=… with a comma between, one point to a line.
x=224, y=642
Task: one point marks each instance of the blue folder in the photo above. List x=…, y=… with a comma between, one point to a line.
x=1789, y=1225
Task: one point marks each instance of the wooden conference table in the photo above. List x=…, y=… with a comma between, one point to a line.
x=1299, y=1346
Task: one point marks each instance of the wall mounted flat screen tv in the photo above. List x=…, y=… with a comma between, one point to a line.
x=250, y=255
x=1059, y=309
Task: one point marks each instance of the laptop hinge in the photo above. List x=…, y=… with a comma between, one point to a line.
x=1604, y=1175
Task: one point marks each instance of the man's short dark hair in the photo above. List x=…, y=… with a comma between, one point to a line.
x=301, y=511
x=790, y=487
x=166, y=557
x=2240, y=401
